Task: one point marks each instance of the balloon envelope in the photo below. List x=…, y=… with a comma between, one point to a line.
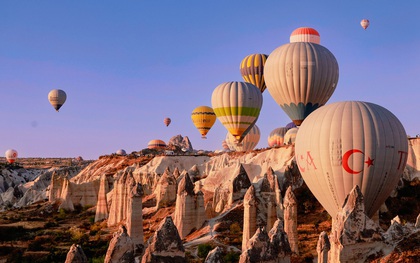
x=252, y=70
x=121, y=152
x=305, y=34
x=237, y=106
x=301, y=77
x=11, y=155
x=364, y=23
x=167, y=121
x=156, y=144
x=290, y=136
x=203, y=118
x=276, y=137
x=248, y=143
x=57, y=97
x=351, y=143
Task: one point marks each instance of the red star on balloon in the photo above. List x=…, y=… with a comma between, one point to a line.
x=369, y=162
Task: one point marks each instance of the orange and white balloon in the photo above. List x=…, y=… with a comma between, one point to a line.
x=364, y=23
x=11, y=155
x=305, y=34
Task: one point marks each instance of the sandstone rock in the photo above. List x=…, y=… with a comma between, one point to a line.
x=189, y=208
x=121, y=193
x=279, y=249
x=165, y=246
x=166, y=190
x=418, y=222
x=135, y=219
x=215, y=256
x=354, y=236
x=181, y=143
x=121, y=248
x=257, y=247
x=250, y=216
x=102, y=211
x=323, y=247
x=290, y=219
x=76, y=255
x=397, y=231
x=66, y=196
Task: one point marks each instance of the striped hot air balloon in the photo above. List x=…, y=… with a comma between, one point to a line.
x=276, y=137
x=167, y=121
x=345, y=144
x=11, y=155
x=237, y=106
x=301, y=77
x=249, y=142
x=252, y=70
x=305, y=34
x=156, y=144
x=203, y=118
x=57, y=97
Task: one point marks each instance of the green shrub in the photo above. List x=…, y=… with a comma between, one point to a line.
x=203, y=250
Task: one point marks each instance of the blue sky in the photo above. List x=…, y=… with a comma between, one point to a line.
x=126, y=65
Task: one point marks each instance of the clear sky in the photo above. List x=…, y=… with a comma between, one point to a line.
x=126, y=65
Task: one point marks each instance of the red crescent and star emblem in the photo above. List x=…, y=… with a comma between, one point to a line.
x=346, y=157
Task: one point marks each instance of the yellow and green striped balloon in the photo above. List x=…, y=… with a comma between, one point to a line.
x=237, y=106
x=203, y=118
x=252, y=70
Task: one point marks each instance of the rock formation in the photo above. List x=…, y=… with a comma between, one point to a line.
x=181, y=143
x=354, y=236
x=102, y=212
x=290, y=219
x=135, y=218
x=166, y=190
x=268, y=248
x=76, y=255
x=189, y=208
x=56, y=186
x=66, y=196
x=418, y=222
x=323, y=247
x=121, y=248
x=250, y=216
x=165, y=246
x=215, y=256
x=120, y=195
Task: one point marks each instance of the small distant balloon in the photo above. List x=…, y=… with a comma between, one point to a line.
x=11, y=155
x=364, y=23
x=121, y=152
x=290, y=136
x=203, y=118
x=276, y=137
x=57, y=97
x=167, y=121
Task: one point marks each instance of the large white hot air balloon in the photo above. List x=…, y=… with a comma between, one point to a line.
x=249, y=142
x=57, y=97
x=350, y=143
x=301, y=77
x=237, y=106
x=11, y=155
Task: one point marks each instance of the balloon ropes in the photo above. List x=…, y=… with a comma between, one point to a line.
x=340, y=145
x=237, y=106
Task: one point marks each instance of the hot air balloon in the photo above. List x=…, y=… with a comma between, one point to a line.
x=252, y=70
x=305, y=34
x=364, y=23
x=290, y=125
x=248, y=143
x=57, y=97
x=237, y=105
x=225, y=146
x=290, y=136
x=156, y=144
x=301, y=77
x=203, y=118
x=167, y=121
x=121, y=152
x=11, y=155
x=350, y=143
x=276, y=137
